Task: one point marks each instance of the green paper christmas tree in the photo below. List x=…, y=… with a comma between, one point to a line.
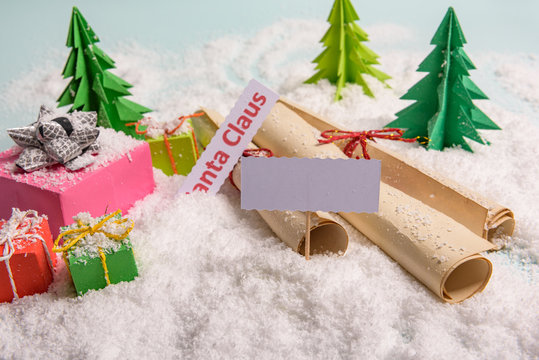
x=444, y=113
x=346, y=58
x=93, y=87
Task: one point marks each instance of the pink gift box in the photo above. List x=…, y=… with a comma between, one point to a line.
x=61, y=194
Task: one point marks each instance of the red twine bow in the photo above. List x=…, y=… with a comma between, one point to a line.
x=360, y=137
x=167, y=132
x=170, y=132
x=262, y=152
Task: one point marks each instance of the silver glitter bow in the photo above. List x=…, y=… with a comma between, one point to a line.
x=68, y=139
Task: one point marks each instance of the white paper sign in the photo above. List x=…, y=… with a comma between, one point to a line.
x=231, y=139
x=347, y=185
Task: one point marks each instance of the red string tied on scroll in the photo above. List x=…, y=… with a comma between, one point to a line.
x=356, y=138
x=170, y=132
x=262, y=152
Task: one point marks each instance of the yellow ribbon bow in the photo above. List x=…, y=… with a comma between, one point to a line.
x=83, y=231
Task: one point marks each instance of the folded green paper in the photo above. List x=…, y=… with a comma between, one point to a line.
x=444, y=114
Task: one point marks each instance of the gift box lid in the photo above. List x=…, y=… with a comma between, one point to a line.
x=113, y=145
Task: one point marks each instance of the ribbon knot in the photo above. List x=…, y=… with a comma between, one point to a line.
x=93, y=230
x=73, y=236
x=21, y=225
x=146, y=121
x=261, y=152
x=68, y=139
x=356, y=138
x=16, y=227
x=160, y=128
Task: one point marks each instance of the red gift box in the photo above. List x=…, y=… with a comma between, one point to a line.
x=26, y=257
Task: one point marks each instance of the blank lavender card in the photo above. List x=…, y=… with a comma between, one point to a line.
x=347, y=185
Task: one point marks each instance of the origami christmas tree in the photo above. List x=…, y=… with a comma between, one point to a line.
x=93, y=87
x=346, y=58
x=444, y=112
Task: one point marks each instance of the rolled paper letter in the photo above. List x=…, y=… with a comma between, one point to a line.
x=483, y=216
x=326, y=234
x=441, y=253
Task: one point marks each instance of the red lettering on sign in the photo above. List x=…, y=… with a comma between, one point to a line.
x=236, y=129
x=205, y=175
x=228, y=141
x=261, y=99
x=213, y=168
x=252, y=113
x=222, y=157
x=244, y=122
x=200, y=187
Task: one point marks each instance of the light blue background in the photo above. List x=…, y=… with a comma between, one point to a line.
x=30, y=29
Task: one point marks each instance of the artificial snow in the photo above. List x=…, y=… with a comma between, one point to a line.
x=90, y=244
x=155, y=128
x=215, y=282
x=20, y=229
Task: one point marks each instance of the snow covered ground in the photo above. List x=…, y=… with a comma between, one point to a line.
x=216, y=283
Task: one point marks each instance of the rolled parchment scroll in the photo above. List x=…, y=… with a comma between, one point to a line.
x=441, y=253
x=325, y=233
x=484, y=217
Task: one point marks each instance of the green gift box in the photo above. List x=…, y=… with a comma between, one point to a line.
x=173, y=145
x=182, y=150
x=98, y=252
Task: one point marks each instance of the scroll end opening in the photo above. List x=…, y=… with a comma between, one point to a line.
x=466, y=279
x=328, y=237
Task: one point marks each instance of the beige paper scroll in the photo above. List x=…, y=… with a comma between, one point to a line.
x=482, y=216
x=441, y=253
x=325, y=233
